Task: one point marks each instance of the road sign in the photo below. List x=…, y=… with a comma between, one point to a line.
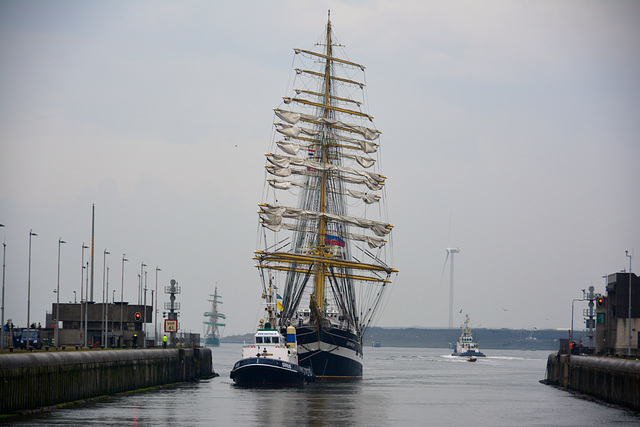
x=171, y=325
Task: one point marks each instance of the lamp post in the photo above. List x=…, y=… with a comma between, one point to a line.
x=571, y=333
x=4, y=253
x=74, y=295
x=607, y=333
x=113, y=299
x=56, y=332
x=106, y=315
x=153, y=307
x=104, y=309
x=629, y=321
x=122, y=300
x=155, y=312
x=86, y=309
x=144, y=344
x=142, y=266
x=31, y=233
x=82, y=291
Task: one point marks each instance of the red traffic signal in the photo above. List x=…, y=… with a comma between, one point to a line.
x=138, y=316
x=600, y=301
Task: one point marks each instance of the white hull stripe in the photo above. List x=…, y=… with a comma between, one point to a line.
x=305, y=350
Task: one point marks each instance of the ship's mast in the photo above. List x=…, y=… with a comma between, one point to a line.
x=314, y=263
x=271, y=316
x=214, y=310
x=319, y=289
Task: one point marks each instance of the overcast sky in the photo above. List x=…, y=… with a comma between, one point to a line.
x=510, y=130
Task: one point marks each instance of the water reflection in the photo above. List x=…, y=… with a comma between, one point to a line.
x=315, y=404
x=318, y=404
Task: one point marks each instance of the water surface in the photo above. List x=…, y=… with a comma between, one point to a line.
x=401, y=386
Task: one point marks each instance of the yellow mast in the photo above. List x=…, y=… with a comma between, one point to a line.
x=320, y=273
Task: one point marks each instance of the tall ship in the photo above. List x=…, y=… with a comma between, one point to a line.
x=466, y=345
x=213, y=327
x=324, y=239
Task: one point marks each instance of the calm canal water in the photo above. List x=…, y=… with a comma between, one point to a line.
x=402, y=386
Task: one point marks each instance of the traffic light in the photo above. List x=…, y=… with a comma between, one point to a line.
x=600, y=301
x=138, y=317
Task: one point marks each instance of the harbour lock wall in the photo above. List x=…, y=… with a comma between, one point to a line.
x=611, y=380
x=35, y=380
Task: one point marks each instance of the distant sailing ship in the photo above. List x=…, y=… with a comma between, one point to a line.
x=213, y=331
x=324, y=239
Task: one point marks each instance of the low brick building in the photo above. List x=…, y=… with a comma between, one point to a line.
x=124, y=321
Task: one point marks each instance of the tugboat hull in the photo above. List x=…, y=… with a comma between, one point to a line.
x=469, y=353
x=260, y=371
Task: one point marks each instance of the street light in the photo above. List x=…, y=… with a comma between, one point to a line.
x=629, y=343
x=142, y=266
x=145, y=310
x=152, y=311
x=106, y=314
x=155, y=314
x=122, y=300
x=4, y=253
x=86, y=308
x=104, y=266
x=82, y=291
x=31, y=233
x=74, y=297
x=56, y=332
x=571, y=333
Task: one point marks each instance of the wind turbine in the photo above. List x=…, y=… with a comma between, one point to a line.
x=452, y=252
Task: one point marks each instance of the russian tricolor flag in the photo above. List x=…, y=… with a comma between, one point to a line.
x=333, y=240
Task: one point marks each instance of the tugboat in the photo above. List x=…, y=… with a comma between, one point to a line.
x=271, y=360
x=466, y=346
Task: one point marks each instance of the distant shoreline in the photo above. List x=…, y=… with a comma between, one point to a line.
x=493, y=339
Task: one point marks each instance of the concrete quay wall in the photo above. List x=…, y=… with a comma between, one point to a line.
x=611, y=380
x=35, y=380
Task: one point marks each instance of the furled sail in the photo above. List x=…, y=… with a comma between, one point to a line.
x=294, y=149
x=273, y=215
x=368, y=198
x=372, y=241
x=293, y=118
x=285, y=161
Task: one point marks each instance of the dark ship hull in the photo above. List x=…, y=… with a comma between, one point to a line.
x=468, y=353
x=261, y=371
x=211, y=341
x=333, y=354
